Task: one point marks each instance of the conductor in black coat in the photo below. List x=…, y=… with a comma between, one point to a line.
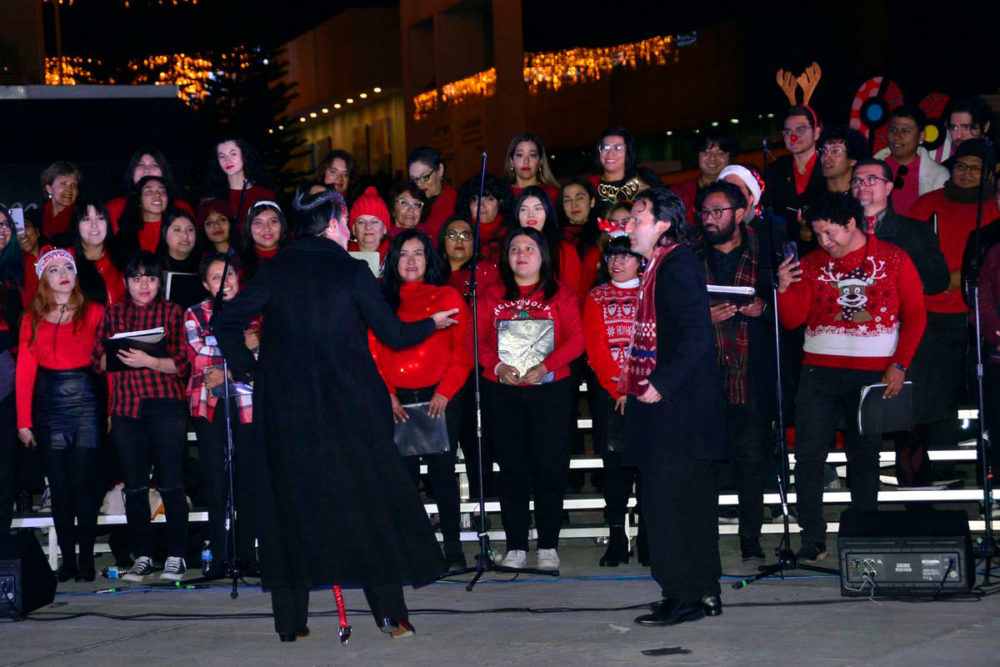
x=674, y=417
x=335, y=503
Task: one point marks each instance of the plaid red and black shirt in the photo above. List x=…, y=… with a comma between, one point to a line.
x=129, y=388
x=204, y=356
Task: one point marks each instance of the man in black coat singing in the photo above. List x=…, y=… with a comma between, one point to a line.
x=334, y=503
x=674, y=425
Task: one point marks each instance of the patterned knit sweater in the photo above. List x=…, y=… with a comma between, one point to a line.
x=863, y=311
x=608, y=317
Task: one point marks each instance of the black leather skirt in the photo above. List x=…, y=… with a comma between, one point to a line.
x=64, y=408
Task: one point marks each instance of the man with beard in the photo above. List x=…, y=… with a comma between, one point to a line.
x=938, y=367
x=744, y=342
x=862, y=305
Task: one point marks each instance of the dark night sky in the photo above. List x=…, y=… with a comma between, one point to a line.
x=923, y=46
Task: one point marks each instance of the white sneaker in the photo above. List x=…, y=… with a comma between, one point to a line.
x=515, y=558
x=174, y=569
x=548, y=559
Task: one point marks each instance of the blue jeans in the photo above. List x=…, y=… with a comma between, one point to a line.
x=825, y=396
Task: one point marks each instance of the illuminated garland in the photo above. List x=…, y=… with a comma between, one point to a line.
x=554, y=69
x=188, y=73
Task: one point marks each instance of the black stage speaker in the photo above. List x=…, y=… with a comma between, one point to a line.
x=26, y=580
x=905, y=553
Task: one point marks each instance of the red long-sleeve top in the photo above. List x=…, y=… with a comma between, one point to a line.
x=570, y=270
x=862, y=311
x=56, y=224
x=563, y=308
x=608, y=320
x=255, y=193
x=442, y=208
x=57, y=347
x=444, y=358
x=955, y=221
x=487, y=275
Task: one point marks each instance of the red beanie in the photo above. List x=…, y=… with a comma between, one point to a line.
x=370, y=204
x=212, y=205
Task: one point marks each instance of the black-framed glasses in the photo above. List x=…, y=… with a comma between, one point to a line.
x=713, y=213
x=973, y=169
x=422, y=180
x=870, y=180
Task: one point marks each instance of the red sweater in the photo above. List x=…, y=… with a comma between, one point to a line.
x=608, y=320
x=863, y=311
x=56, y=224
x=443, y=359
x=955, y=222
x=563, y=308
x=442, y=208
x=491, y=237
x=487, y=275
x=57, y=347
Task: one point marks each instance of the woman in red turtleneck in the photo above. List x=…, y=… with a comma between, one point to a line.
x=98, y=265
x=494, y=209
x=577, y=212
x=433, y=371
x=533, y=208
x=426, y=169
x=528, y=400
x=145, y=161
x=266, y=234
x=239, y=164
x=527, y=164
x=61, y=183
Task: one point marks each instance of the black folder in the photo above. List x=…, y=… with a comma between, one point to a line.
x=151, y=341
x=885, y=415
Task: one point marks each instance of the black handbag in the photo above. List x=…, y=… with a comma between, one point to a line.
x=421, y=434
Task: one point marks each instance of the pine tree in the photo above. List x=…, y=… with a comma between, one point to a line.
x=248, y=98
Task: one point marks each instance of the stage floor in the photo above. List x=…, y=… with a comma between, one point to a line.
x=583, y=618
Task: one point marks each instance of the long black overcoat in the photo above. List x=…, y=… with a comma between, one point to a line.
x=335, y=504
x=689, y=423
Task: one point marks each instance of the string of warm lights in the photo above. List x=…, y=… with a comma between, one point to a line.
x=552, y=70
x=189, y=73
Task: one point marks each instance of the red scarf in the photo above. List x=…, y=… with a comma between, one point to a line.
x=641, y=358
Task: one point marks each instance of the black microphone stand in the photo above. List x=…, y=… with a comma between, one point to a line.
x=786, y=559
x=484, y=561
x=230, y=560
x=983, y=444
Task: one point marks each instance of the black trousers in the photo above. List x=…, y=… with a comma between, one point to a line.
x=753, y=451
x=680, y=510
x=441, y=478
x=609, y=442
x=72, y=479
x=212, y=444
x=530, y=426
x=291, y=605
x=158, y=436
x=9, y=446
x=825, y=396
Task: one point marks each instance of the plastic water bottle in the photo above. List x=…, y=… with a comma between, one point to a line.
x=113, y=572
x=206, y=558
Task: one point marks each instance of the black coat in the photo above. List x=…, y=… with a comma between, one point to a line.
x=336, y=504
x=917, y=239
x=781, y=180
x=689, y=423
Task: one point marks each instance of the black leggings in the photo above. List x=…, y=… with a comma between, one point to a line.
x=159, y=436
x=440, y=467
x=72, y=474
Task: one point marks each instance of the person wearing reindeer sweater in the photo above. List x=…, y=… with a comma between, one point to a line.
x=862, y=303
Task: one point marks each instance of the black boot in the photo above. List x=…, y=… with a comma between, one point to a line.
x=617, y=548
